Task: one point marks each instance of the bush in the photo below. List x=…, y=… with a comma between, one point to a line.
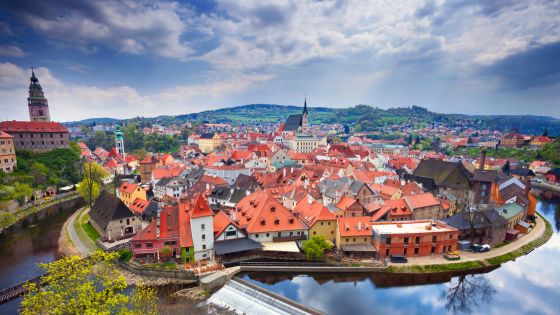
x=125, y=255
x=165, y=252
x=315, y=247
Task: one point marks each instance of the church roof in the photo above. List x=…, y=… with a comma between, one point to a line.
x=292, y=123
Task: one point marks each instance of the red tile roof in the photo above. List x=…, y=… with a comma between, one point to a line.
x=139, y=205
x=128, y=187
x=354, y=226
x=422, y=200
x=221, y=222
x=259, y=212
x=4, y=135
x=32, y=126
x=311, y=213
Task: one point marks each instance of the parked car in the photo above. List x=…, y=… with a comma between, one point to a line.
x=398, y=259
x=536, y=180
x=484, y=248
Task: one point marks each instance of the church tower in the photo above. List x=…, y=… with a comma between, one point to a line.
x=305, y=118
x=36, y=102
x=119, y=141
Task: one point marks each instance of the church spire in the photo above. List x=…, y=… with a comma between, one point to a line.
x=305, y=106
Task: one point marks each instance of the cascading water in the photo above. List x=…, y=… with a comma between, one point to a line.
x=246, y=300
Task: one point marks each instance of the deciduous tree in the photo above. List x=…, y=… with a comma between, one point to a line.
x=86, y=286
x=93, y=174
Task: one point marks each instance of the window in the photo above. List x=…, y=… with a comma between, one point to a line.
x=138, y=245
x=387, y=252
x=202, y=227
x=203, y=246
x=314, y=232
x=232, y=233
x=406, y=241
x=257, y=235
x=417, y=240
x=321, y=222
x=434, y=239
x=170, y=243
x=203, y=236
x=149, y=245
x=346, y=240
x=267, y=234
x=416, y=251
x=291, y=233
x=388, y=240
x=354, y=240
x=450, y=236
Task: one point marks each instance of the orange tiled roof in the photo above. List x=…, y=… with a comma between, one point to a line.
x=259, y=212
x=422, y=200
x=354, y=226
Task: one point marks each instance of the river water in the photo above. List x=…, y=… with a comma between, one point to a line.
x=528, y=285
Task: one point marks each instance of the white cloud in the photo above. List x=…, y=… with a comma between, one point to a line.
x=11, y=50
x=69, y=101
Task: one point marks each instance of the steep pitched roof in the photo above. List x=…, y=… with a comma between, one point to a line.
x=311, y=213
x=200, y=208
x=292, y=123
x=108, y=207
x=445, y=174
x=259, y=212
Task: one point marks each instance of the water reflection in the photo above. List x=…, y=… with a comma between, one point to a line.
x=466, y=293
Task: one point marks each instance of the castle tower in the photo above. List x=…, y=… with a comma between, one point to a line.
x=119, y=141
x=305, y=118
x=36, y=102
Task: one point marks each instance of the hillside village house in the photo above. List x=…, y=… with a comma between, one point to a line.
x=208, y=142
x=354, y=237
x=8, y=160
x=413, y=238
x=267, y=220
x=128, y=192
x=112, y=218
x=424, y=206
x=320, y=220
x=187, y=229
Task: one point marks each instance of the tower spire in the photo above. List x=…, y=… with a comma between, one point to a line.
x=305, y=105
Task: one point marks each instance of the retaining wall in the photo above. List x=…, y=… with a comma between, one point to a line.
x=159, y=273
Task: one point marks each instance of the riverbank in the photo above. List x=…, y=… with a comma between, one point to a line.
x=538, y=236
x=34, y=213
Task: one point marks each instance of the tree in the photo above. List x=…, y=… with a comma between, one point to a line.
x=86, y=286
x=315, y=247
x=545, y=132
x=89, y=191
x=93, y=174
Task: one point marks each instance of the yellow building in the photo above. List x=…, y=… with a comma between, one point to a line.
x=209, y=142
x=8, y=161
x=128, y=192
x=319, y=219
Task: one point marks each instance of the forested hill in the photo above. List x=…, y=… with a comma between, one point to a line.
x=362, y=117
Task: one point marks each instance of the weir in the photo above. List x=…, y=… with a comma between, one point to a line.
x=247, y=298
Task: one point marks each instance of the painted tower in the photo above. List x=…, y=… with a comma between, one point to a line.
x=119, y=141
x=305, y=118
x=36, y=102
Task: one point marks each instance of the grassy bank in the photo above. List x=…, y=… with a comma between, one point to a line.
x=525, y=248
x=85, y=231
x=465, y=265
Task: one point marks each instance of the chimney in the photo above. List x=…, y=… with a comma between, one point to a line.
x=482, y=159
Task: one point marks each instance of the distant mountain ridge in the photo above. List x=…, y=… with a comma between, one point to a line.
x=363, y=117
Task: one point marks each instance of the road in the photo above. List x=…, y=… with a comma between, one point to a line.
x=74, y=236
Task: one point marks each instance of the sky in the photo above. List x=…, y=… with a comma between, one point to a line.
x=124, y=59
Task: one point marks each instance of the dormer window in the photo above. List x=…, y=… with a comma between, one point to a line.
x=263, y=222
x=272, y=208
x=276, y=221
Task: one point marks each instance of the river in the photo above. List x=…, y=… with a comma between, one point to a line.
x=528, y=285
